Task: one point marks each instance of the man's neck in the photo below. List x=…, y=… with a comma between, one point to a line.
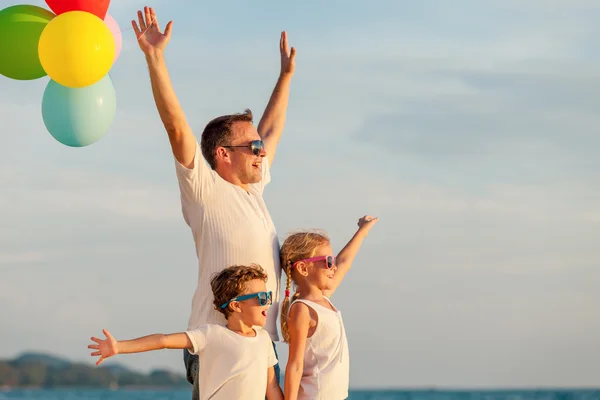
x=229, y=178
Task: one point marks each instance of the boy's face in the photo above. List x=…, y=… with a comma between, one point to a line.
x=252, y=313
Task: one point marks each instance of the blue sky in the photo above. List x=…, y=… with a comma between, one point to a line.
x=470, y=129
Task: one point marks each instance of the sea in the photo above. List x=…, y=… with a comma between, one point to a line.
x=184, y=394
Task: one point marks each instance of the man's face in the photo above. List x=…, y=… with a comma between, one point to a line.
x=246, y=166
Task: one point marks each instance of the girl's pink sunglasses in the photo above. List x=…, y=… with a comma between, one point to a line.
x=330, y=260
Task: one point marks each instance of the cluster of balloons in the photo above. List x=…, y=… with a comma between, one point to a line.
x=76, y=45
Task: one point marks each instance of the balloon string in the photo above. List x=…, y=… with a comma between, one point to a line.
x=141, y=33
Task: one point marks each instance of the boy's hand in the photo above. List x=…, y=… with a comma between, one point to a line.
x=366, y=223
x=106, y=348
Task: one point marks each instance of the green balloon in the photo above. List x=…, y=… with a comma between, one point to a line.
x=20, y=29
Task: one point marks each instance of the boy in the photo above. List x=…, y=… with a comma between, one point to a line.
x=237, y=360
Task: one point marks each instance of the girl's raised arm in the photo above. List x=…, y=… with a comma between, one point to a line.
x=346, y=256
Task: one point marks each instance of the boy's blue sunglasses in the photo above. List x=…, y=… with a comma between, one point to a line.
x=263, y=298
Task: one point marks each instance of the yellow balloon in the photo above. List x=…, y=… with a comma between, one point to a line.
x=76, y=49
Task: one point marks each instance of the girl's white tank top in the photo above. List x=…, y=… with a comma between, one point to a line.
x=326, y=374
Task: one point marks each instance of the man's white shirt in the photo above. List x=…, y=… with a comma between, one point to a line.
x=230, y=227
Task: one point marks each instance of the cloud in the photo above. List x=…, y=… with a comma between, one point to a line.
x=520, y=123
x=81, y=192
x=59, y=215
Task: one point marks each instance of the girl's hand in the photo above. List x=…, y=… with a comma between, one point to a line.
x=106, y=348
x=366, y=223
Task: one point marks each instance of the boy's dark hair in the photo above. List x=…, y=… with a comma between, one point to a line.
x=218, y=133
x=231, y=283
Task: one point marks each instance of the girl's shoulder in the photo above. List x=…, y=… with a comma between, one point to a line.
x=299, y=308
x=303, y=311
x=300, y=303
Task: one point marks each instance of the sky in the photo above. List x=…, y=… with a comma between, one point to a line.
x=471, y=129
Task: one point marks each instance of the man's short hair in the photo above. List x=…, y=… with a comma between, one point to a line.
x=218, y=133
x=231, y=283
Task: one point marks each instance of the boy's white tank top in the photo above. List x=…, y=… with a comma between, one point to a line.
x=326, y=372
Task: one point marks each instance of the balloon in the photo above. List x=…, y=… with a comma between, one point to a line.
x=79, y=117
x=96, y=7
x=76, y=49
x=116, y=32
x=20, y=30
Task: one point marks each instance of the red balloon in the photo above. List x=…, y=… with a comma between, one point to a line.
x=96, y=7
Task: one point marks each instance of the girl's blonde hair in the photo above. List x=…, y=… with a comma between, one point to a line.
x=296, y=247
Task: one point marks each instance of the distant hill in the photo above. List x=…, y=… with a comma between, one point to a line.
x=47, y=371
x=49, y=360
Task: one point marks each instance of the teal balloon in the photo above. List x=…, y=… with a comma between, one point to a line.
x=20, y=29
x=78, y=117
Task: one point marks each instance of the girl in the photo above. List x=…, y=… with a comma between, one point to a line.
x=318, y=363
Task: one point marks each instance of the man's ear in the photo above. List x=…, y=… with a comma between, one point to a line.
x=223, y=155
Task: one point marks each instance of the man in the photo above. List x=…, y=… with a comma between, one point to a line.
x=222, y=202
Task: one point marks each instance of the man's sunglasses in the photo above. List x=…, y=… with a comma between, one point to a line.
x=330, y=260
x=256, y=146
x=263, y=298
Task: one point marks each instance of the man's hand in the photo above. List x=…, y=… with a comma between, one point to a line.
x=288, y=57
x=153, y=43
x=106, y=348
x=272, y=122
x=150, y=39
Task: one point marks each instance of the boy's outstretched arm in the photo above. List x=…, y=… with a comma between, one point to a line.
x=346, y=256
x=273, y=390
x=110, y=346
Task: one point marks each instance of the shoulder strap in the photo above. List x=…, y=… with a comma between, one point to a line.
x=331, y=304
x=307, y=302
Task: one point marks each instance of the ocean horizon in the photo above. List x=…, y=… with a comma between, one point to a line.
x=355, y=394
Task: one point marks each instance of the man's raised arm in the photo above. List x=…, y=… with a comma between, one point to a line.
x=272, y=122
x=153, y=43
